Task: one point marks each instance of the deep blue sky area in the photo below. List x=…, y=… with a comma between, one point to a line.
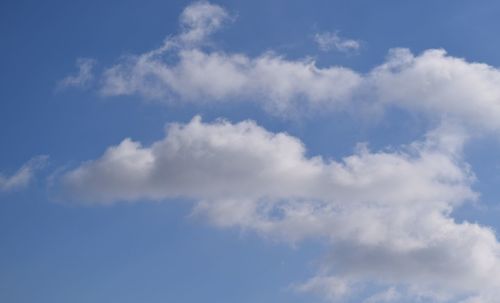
x=155, y=252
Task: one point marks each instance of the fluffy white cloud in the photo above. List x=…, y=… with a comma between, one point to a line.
x=386, y=214
x=198, y=76
x=84, y=76
x=440, y=85
x=432, y=83
x=199, y=20
x=23, y=176
x=181, y=70
x=328, y=41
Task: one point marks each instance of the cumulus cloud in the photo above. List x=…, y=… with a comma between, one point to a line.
x=203, y=77
x=181, y=70
x=386, y=214
x=23, y=176
x=81, y=79
x=439, y=85
x=328, y=41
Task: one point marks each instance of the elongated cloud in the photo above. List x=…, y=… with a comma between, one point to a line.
x=23, y=176
x=182, y=70
x=386, y=214
x=198, y=76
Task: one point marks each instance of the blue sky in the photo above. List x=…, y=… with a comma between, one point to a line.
x=249, y=151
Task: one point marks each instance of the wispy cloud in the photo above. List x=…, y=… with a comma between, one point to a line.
x=23, y=176
x=332, y=41
x=82, y=78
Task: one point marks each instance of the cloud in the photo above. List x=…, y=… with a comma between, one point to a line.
x=181, y=70
x=23, y=176
x=199, y=20
x=208, y=155
x=386, y=214
x=84, y=76
x=280, y=85
x=328, y=41
x=432, y=83
x=439, y=85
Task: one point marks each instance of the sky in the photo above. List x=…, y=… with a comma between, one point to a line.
x=249, y=151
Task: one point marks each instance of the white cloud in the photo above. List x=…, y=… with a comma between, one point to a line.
x=193, y=75
x=328, y=41
x=199, y=20
x=280, y=85
x=23, y=176
x=439, y=85
x=84, y=76
x=432, y=83
x=186, y=151
x=386, y=214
